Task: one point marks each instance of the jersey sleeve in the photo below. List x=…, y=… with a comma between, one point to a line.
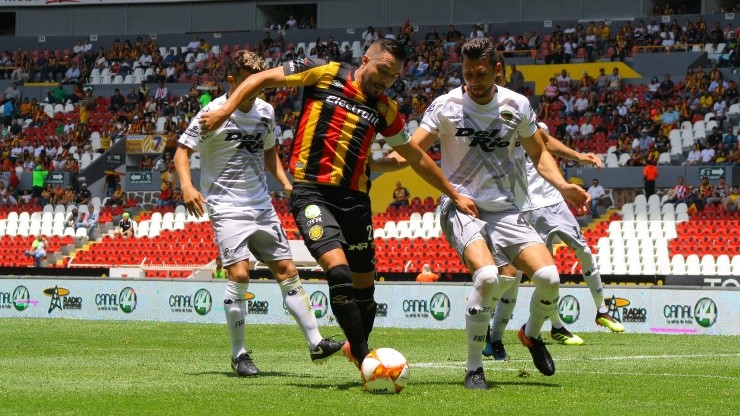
x=270, y=139
x=191, y=136
x=430, y=121
x=528, y=124
x=395, y=132
x=304, y=72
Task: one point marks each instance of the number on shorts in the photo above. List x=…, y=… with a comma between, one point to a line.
x=369, y=232
x=280, y=232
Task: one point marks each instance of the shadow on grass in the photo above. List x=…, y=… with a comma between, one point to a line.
x=315, y=385
x=261, y=374
x=493, y=385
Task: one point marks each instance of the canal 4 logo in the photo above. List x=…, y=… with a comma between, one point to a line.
x=569, y=309
x=200, y=303
x=319, y=304
x=61, y=299
x=438, y=307
x=623, y=310
x=704, y=313
x=125, y=301
x=20, y=299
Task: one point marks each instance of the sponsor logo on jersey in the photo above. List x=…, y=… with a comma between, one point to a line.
x=251, y=142
x=312, y=211
x=487, y=140
x=316, y=232
x=361, y=111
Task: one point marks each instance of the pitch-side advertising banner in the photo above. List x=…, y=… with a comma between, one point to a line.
x=641, y=309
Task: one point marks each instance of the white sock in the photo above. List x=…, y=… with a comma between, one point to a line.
x=592, y=277
x=593, y=281
x=544, y=301
x=299, y=306
x=487, y=288
x=235, y=309
x=504, y=311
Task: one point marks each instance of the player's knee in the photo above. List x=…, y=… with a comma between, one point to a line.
x=239, y=275
x=339, y=279
x=547, y=276
x=486, y=275
x=283, y=269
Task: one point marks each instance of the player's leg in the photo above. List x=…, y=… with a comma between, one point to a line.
x=299, y=305
x=236, y=310
x=502, y=315
x=231, y=235
x=536, y=261
x=464, y=234
x=325, y=242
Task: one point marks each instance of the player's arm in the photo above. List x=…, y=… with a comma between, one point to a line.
x=273, y=165
x=246, y=91
x=192, y=199
x=424, y=166
x=548, y=169
x=393, y=161
x=557, y=148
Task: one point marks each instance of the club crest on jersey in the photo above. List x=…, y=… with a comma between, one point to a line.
x=312, y=211
x=316, y=232
x=382, y=108
x=507, y=115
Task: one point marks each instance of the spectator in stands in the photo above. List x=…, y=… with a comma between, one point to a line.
x=720, y=110
x=118, y=198
x=427, y=275
x=705, y=191
x=219, y=272
x=161, y=94
x=401, y=196
x=117, y=101
x=368, y=37
x=146, y=162
x=88, y=220
x=564, y=82
x=665, y=88
x=720, y=191
x=84, y=196
x=58, y=194
x=168, y=177
x=516, y=80
x=46, y=195
x=587, y=129
x=730, y=138
x=645, y=139
x=58, y=95
x=12, y=92
x=714, y=138
x=69, y=197
x=597, y=194
x=38, y=249
x=165, y=195
x=679, y=192
x=649, y=174
x=733, y=200
x=125, y=226
x=615, y=81
x=132, y=99
x=602, y=81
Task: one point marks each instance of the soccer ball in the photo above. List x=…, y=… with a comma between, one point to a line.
x=385, y=371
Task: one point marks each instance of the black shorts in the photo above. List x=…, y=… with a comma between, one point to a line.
x=330, y=217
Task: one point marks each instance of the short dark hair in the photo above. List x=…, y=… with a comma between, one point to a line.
x=480, y=48
x=393, y=47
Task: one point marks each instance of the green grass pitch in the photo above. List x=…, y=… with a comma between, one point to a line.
x=58, y=366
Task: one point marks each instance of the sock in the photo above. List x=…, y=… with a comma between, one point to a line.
x=366, y=303
x=299, y=306
x=345, y=309
x=504, y=311
x=487, y=288
x=544, y=301
x=592, y=277
x=236, y=311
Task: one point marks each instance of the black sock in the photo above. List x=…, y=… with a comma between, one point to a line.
x=367, y=306
x=345, y=309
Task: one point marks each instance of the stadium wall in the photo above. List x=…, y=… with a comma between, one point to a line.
x=643, y=309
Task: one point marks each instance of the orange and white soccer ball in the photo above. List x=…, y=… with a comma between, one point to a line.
x=385, y=371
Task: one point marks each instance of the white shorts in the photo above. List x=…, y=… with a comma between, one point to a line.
x=506, y=233
x=251, y=233
x=557, y=220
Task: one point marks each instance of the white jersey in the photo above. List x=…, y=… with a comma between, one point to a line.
x=232, y=169
x=534, y=192
x=478, y=143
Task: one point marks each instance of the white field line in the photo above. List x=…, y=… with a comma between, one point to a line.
x=457, y=364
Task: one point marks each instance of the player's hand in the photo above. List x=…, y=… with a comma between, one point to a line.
x=194, y=201
x=575, y=195
x=591, y=159
x=287, y=190
x=211, y=120
x=466, y=205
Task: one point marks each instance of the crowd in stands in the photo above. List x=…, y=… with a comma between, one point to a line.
x=589, y=113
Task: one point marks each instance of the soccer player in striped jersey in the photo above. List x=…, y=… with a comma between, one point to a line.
x=343, y=108
x=479, y=127
x=233, y=161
